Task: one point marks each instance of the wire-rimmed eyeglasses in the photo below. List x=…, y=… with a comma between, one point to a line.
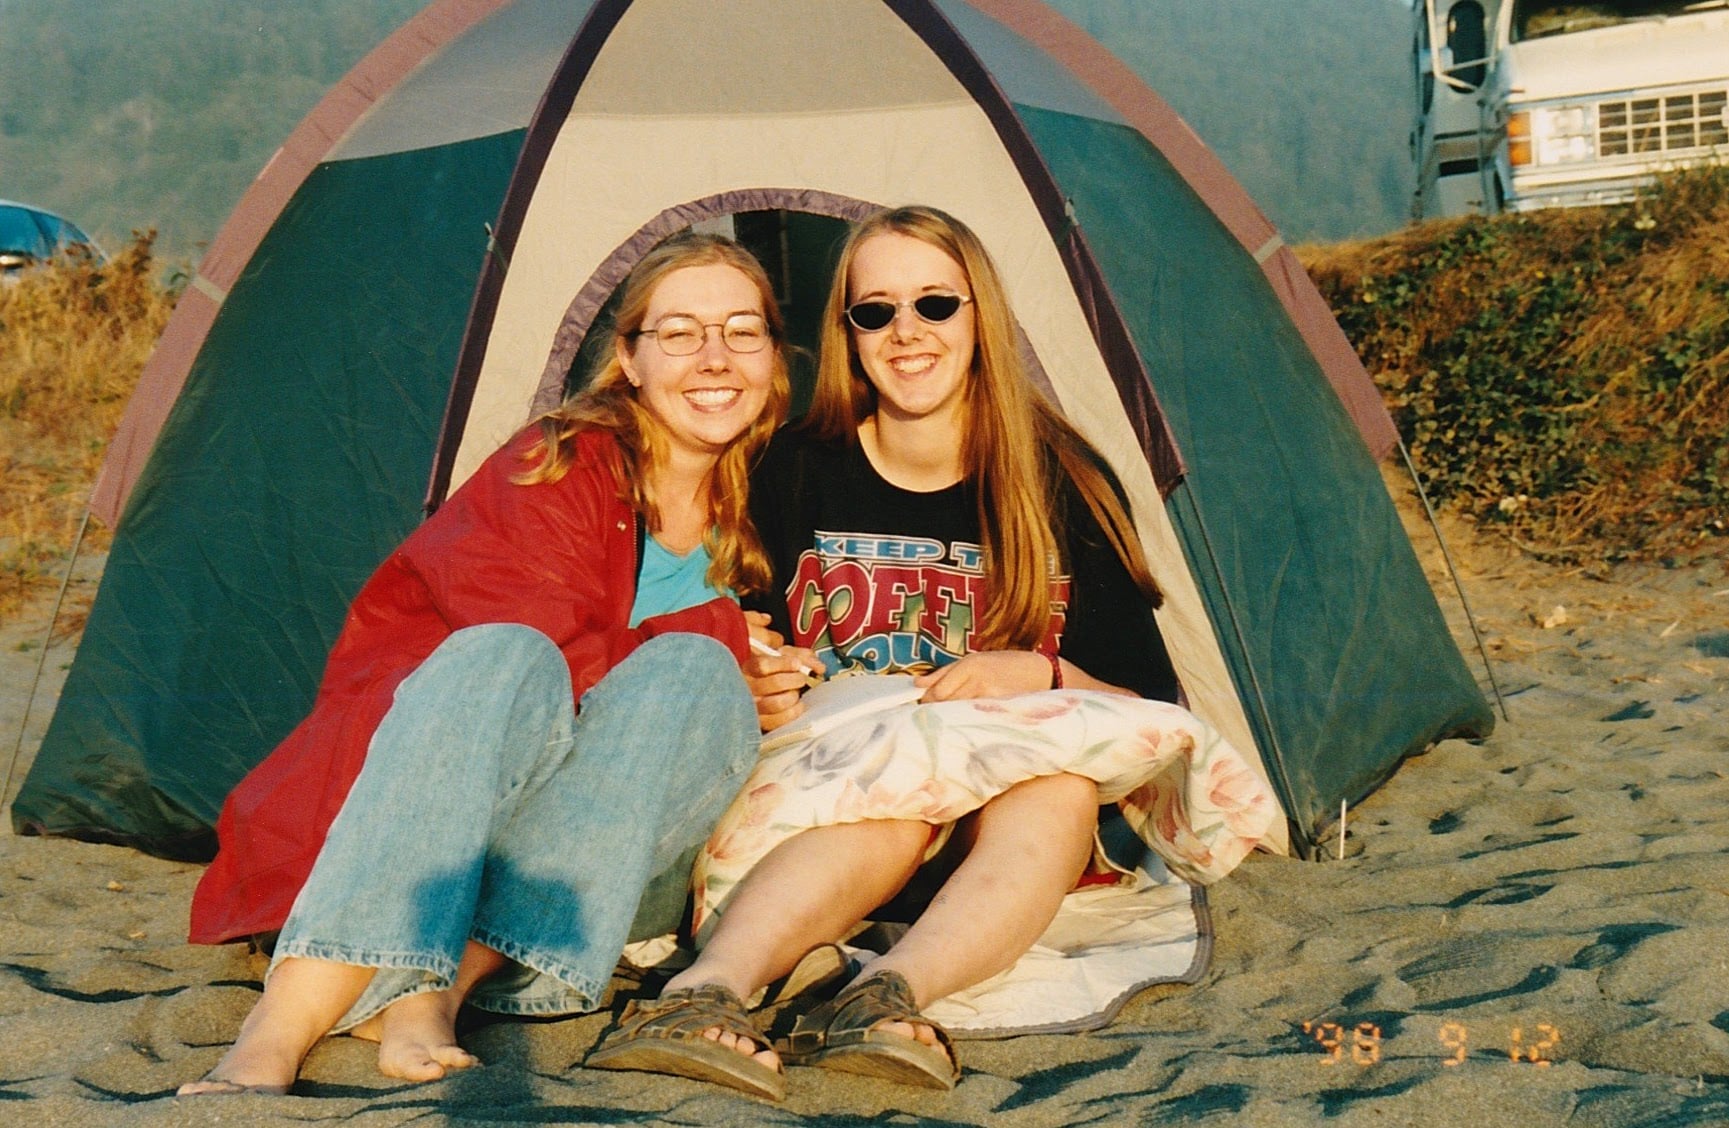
x=680, y=335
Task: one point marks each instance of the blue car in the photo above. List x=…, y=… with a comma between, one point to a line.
x=30, y=235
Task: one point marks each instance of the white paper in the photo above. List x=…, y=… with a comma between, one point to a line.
x=843, y=699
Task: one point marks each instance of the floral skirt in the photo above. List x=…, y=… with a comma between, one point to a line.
x=1189, y=795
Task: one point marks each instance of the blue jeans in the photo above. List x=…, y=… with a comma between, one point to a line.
x=490, y=809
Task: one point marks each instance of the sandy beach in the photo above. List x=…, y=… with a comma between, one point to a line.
x=1531, y=930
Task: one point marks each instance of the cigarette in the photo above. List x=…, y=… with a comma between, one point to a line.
x=768, y=651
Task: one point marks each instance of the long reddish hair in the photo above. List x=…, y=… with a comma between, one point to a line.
x=609, y=402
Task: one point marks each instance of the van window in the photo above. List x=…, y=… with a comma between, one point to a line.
x=1535, y=19
x=1467, y=43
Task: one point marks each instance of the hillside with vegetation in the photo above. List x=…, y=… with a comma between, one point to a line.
x=158, y=114
x=134, y=115
x=1561, y=378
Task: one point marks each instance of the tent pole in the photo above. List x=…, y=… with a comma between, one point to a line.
x=1458, y=586
x=42, y=659
x=493, y=249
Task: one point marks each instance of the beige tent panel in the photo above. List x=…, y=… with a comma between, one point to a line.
x=933, y=146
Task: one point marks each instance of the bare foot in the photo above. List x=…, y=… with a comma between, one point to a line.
x=302, y=999
x=265, y=1059
x=417, y=1037
x=372, y=1030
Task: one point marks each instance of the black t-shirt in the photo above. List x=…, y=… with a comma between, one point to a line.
x=869, y=574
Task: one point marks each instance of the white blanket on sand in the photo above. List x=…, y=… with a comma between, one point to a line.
x=1192, y=804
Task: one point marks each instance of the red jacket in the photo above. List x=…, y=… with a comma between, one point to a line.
x=559, y=557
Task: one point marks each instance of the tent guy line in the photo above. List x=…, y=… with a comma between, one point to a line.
x=42, y=658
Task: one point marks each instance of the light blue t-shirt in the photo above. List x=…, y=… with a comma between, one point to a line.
x=670, y=582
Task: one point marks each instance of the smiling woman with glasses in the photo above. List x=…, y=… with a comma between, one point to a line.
x=934, y=516
x=534, y=712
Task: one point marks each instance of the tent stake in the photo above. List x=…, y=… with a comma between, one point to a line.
x=42, y=659
x=1458, y=585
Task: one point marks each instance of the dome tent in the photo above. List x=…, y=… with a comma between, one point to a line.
x=414, y=273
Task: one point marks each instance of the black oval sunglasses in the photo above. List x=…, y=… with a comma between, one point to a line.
x=932, y=309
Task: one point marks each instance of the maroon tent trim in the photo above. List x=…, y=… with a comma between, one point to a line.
x=164, y=375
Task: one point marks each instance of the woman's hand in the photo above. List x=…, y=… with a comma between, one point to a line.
x=776, y=682
x=988, y=673
x=761, y=634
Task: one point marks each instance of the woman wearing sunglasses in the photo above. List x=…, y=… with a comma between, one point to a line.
x=449, y=823
x=933, y=513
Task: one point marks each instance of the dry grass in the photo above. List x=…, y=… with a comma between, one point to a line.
x=1564, y=376
x=1560, y=377
x=74, y=337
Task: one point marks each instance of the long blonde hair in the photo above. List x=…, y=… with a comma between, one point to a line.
x=609, y=402
x=1015, y=442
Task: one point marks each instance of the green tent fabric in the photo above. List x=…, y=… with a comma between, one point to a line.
x=1286, y=520
x=415, y=273
x=295, y=458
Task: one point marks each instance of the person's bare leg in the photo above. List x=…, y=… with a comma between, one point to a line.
x=302, y=1000
x=1030, y=844
x=809, y=890
x=417, y=1035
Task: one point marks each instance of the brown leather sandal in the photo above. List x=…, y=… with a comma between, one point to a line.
x=820, y=970
x=842, y=1034
x=665, y=1036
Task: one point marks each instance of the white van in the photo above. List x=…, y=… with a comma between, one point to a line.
x=1526, y=104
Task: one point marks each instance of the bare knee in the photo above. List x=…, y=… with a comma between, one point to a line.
x=1053, y=816
x=1075, y=793
x=1061, y=801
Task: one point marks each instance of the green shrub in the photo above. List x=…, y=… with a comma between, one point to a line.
x=1562, y=375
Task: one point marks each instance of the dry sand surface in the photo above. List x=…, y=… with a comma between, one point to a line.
x=1533, y=930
